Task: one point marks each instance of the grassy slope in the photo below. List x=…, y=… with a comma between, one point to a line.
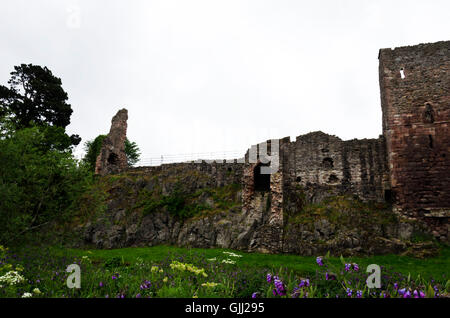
x=427, y=268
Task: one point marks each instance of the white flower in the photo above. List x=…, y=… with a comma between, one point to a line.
x=36, y=291
x=228, y=261
x=12, y=278
x=211, y=259
x=27, y=295
x=231, y=254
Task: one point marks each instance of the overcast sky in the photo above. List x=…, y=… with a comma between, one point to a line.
x=209, y=76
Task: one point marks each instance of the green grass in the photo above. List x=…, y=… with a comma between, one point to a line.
x=165, y=271
x=428, y=268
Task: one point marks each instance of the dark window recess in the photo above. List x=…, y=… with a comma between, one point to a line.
x=333, y=178
x=430, y=141
x=261, y=181
x=298, y=179
x=229, y=169
x=428, y=115
x=327, y=163
x=113, y=158
x=388, y=196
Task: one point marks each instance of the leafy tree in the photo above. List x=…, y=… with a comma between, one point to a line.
x=38, y=185
x=36, y=97
x=93, y=147
x=132, y=151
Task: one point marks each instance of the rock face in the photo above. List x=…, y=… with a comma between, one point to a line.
x=138, y=210
x=112, y=157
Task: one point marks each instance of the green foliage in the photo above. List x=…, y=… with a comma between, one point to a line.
x=93, y=147
x=38, y=184
x=178, y=203
x=132, y=151
x=36, y=97
x=163, y=271
x=182, y=204
x=113, y=262
x=344, y=211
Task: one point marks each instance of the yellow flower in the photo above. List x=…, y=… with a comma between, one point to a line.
x=195, y=296
x=212, y=285
x=154, y=269
x=161, y=271
x=165, y=279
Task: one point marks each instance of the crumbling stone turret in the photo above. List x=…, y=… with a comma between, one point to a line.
x=112, y=157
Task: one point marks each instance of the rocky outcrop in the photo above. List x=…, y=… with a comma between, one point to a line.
x=139, y=211
x=112, y=157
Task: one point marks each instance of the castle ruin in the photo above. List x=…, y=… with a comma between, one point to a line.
x=407, y=166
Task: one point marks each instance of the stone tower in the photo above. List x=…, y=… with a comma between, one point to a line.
x=415, y=100
x=112, y=157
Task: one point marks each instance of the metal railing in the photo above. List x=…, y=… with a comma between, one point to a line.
x=156, y=160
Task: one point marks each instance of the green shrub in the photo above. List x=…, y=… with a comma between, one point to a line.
x=38, y=184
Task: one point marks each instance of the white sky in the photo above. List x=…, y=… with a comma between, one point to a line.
x=208, y=76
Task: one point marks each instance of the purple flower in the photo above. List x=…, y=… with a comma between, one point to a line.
x=114, y=277
x=395, y=286
x=274, y=292
x=280, y=288
x=138, y=296
x=407, y=294
x=349, y=292
x=254, y=295
x=146, y=285
x=319, y=261
x=356, y=267
x=416, y=294
x=101, y=284
x=326, y=276
x=359, y=294
x=402, y=291
x=347, y=267
x=422, y=294
x=269, y=278
x=304, y=283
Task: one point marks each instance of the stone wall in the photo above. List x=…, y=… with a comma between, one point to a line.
x=415, y=99
x=221, y=174
x=112, y=157
x=318, y=160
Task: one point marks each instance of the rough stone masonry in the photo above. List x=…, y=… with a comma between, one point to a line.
x=415, y=99
x=112, y=157
x=408, y=166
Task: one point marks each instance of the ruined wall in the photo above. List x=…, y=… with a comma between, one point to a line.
x=112, y=157
x=415, y=99
x=269, y=236
x=326, y=164
x=221, y=174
